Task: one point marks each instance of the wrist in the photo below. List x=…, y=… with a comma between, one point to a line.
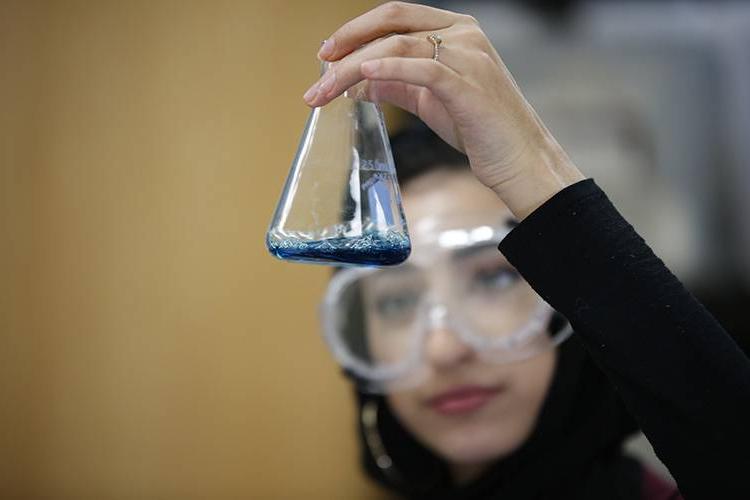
x=540, y=173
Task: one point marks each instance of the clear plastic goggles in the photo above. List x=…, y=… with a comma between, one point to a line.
x=377, y=321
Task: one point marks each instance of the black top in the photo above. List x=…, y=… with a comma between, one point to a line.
x=678, y=372
x=644, y=349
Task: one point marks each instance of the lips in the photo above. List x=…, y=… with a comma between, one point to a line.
x=463, y=400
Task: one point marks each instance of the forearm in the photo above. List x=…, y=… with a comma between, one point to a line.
x=680, y=374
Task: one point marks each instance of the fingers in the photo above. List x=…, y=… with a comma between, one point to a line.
x=400, y=94
x=346, y=72
x=442, y=81
x=418, y=101
x=392, y=17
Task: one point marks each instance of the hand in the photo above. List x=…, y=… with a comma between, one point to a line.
x=468, y=96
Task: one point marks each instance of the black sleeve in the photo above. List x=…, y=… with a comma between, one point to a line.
x=679, y=373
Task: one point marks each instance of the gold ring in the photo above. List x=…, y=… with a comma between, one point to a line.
x=436, y=40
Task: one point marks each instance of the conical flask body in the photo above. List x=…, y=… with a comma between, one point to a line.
x=341, y=202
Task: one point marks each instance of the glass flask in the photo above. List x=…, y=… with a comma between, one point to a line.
x=341, y=203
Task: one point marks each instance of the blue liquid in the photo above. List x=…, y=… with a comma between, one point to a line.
x=374, y=249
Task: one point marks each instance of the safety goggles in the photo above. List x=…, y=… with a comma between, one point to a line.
x=377, y=320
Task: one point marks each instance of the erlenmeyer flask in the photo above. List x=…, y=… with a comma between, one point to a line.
x=341, y=202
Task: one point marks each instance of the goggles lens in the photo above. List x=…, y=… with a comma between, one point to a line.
x=377, y=320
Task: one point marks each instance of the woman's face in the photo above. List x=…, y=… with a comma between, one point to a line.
x=467, y=410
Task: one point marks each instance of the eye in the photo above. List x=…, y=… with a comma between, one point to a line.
x=494, y=278
x=397, y=305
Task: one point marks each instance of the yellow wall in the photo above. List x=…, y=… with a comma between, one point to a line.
x=149, y=346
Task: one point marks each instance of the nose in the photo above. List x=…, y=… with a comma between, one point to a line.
x=444, y=348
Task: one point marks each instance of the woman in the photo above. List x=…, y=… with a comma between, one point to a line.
x=477, y=404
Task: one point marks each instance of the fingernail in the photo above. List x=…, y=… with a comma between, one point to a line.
x=309, y=96
x=326, y=84
x=369, y=67
x=326, y=49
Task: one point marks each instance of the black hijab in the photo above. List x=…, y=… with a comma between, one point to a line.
x=573, y=452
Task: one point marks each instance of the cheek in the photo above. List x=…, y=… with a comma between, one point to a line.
x=389, y=344
x=407, y=407
x=531, y=381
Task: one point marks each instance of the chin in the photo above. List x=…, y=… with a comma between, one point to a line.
x=476, y=445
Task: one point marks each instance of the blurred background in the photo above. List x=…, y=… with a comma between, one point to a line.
x=149, y=345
